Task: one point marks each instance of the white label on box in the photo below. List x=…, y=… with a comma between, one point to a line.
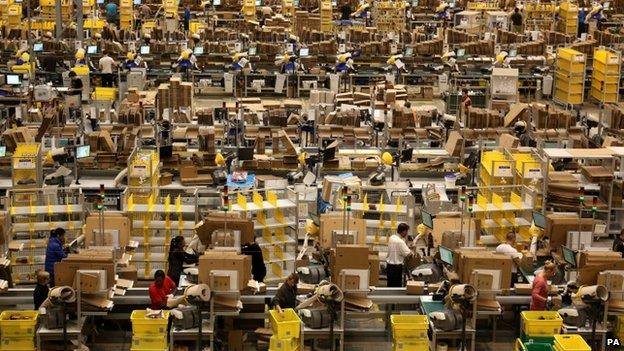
x=139, y=170
x=579, y=58
x=24, y=163
x=503, y=171
x=612, y=61
x=534, y=173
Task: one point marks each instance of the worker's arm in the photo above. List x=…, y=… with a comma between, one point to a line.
x=189, y=258
x=156, y=298
x=58, y=252
x=404, y=250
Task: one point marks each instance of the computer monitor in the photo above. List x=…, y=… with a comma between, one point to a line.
x=83, y=151
x=304, y=52
x=460, y=52
x=409, y=51
x=13, y=79
x=198, y=50
x=216, y=2
x=92, y=49
x=100, y=2
x=513, y=52
x=145, y=50
x=427, y=219
x=165, y=152
x=136, y=2
x=252, y=51
x=245, y=153
x=2, y=151
x=38, y=47
x=406, y=155
x=258, y=2
x=446, y=255
x=539, y=220
x=569, y=256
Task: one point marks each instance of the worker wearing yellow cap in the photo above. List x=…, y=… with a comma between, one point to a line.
x=130, y=62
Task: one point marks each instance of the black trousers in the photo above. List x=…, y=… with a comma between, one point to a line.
x=394, y=273
x=108, y=79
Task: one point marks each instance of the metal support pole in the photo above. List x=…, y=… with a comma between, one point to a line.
x=79, y=21
x=59, y=20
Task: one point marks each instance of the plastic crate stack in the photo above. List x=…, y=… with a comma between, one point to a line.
x=540, y=326
x=326, y=16
x=619, y=328
x=126, y=15
x=149, y=334
x=606, y=76
x=409, y=332
x=286, y=328
x=570, y=76
x=568, y=18
x=18, y=330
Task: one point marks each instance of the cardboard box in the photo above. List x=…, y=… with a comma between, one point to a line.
x=129, y=273
x=65, y=271
x=523, y=289
x=469, y=261
x=333, y=222
x=558, y=225
x=373, y=263
x=116, y=229
x=235, y=340
x=229, y=261
x=211, y=224
x=91, y=281
x=415, y=287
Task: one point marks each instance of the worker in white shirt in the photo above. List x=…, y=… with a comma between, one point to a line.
x=106, y=65
x=397, y=253
x=509, y=248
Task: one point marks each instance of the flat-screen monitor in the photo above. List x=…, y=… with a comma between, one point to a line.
x=304, y=52
x=13, y=79
x=38, y=47
x=83, y=151
x=446, y=255
x=165, y=152
x=513, y=52
x=252, y=51
x=145, y=50
x=136, y=2
x=2, y=151
x=92, y=49
x=427, y=219
x=539, y=220
x=216, y=2
x=569, y=256
x=198, y=50
x=258, y=2
x=409, y=51
x=461, y=52
x=406, y=155
x=245, y=153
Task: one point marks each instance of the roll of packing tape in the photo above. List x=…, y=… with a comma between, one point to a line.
x=442, y=346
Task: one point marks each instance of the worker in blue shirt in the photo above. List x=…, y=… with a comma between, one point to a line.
x=187, y=18
x=55, y=251
x=111, y=12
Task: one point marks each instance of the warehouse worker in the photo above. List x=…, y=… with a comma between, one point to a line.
x=258, y=268
x=520, y=128
x=54, y=252
x=41, y=289
x=397, y=253
x=509, y=248
x=106, y=65
x=160, y=289
x=618, y=243
x=539, y=293
x=516, y=21
x=178, y=257
x=286, y=295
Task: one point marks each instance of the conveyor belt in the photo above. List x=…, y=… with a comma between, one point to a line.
x=140, y=296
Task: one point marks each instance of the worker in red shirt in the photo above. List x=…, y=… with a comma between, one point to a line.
x=159, y=289
x=539, y=293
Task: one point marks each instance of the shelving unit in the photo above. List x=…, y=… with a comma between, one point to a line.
x=33, y=214
x=26, y=166
x=154, y=224
x=126, y=15
x=568, y=18
x=569, y=77
x=48, y=10
x=249, y=9
x=388, y=16
x=504, y=86
x=143, y=175
x=276, y=219
x=503, y=202
x=326, y=11
x=606, y=75
x=382, y=218
x=539, y=15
